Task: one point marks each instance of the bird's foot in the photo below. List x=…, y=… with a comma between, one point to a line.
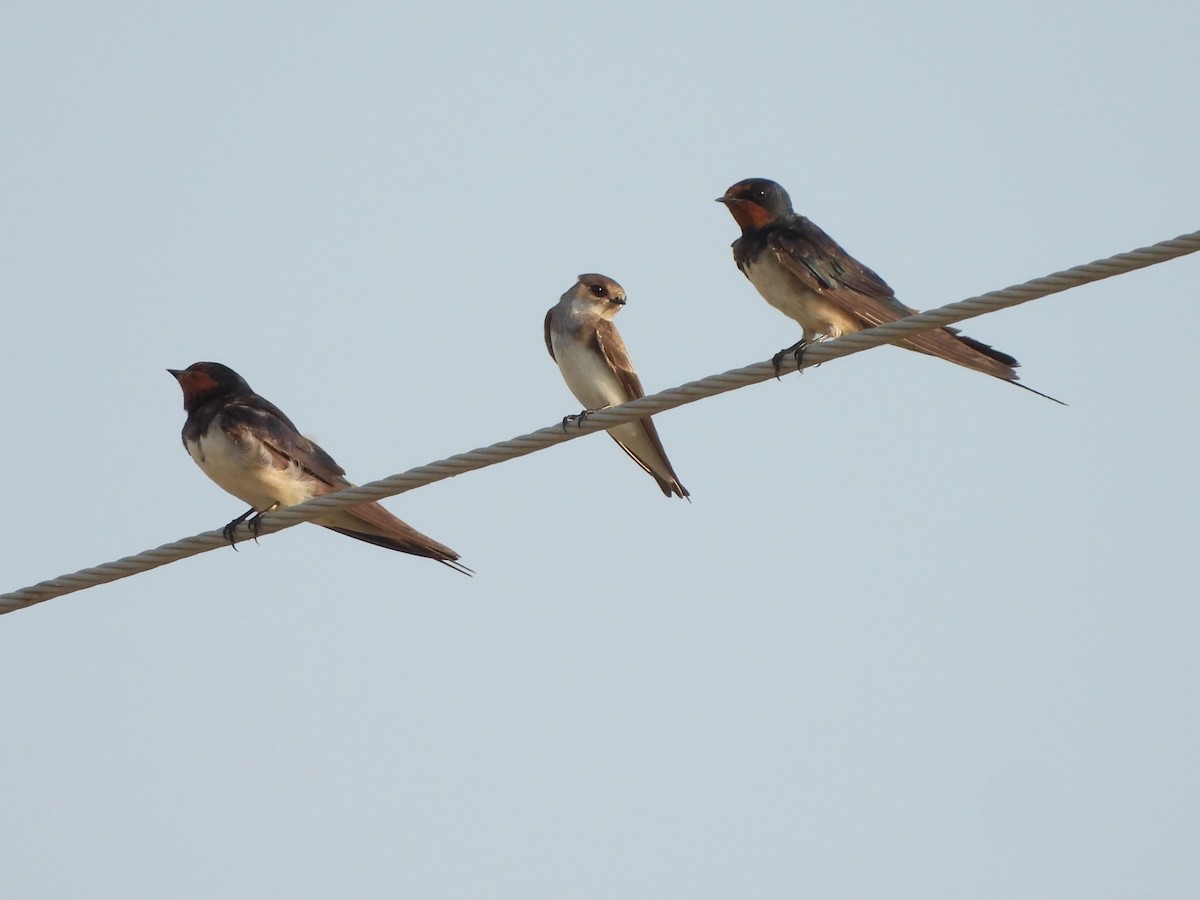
x=229, y=530
x=255, y=526
x=579, y=417
x=796, y=351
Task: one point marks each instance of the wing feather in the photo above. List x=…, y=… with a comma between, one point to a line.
x=824, y=268
x=546, y=327
x=276, y=431
x=608, y=342
x=288, y=447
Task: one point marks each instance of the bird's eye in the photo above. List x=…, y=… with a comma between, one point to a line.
x=598, y=290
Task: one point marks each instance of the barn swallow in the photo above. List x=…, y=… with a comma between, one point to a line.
x=806, y=275
x=583, y=340
x=250, y=448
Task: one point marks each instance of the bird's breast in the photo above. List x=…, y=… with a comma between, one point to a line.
x=246, y=469
x=588, y=375
x=785, y=292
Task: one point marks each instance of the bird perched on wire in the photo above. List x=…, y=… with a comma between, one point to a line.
x=583, y=340
x=248, y=446
x=806, y=275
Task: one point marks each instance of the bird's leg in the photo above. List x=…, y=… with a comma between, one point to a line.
x=255, y=524
x=228, y=531
x=797, y=352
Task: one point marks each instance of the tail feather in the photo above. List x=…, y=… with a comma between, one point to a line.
x=949, y=344
x=446, y=558
x=641, y=443
x=985, y=349
x=372, y=523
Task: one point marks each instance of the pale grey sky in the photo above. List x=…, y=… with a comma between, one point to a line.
x=919, y=634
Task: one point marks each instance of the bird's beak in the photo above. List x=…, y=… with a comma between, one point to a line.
x=177, y=373
x=724, y=200
x=618, y=301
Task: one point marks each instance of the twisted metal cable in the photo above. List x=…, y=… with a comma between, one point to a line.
x=604, y=419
